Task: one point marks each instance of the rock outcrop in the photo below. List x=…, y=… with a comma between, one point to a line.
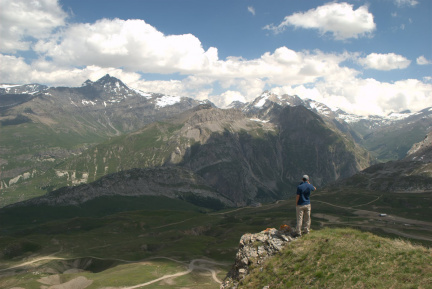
x=253, y=250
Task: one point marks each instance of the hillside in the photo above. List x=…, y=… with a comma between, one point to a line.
x=387, y=137
x=119, y=241
x=411, y=174
x=243, y=160
x=343, y=258
x=58, y=136
x=43, y=126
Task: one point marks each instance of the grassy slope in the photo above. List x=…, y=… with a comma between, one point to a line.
x=28, y=148
x=137, y=229
x=345, y=258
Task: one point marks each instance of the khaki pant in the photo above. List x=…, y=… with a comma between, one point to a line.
x=303, y=212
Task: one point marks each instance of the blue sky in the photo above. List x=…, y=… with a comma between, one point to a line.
x=366, y=57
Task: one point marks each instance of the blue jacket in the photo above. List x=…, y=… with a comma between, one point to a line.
x=304, y=190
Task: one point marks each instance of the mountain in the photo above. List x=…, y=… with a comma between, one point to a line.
x=42, y=129
x=386, y=137
x=421, y=151
x=411, y=174
x=244, y=160
x=171, y=182
x=21, y=89
x=68, y=136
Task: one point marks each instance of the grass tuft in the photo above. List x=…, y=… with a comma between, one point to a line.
x=345, y=258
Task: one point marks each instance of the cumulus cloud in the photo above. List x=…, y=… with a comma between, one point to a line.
x=132, y=44
x=388, y=61
x=40, y=71
x=421, y=60
x=127, y=48
x=366, y=96
x=282, y=66
x=338, y=19
x=227, y=98
x=22, y=20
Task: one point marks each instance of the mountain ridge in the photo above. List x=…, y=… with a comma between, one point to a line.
x=64, y=123
x=243, y=160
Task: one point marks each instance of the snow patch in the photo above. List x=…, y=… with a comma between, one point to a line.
x=350, y=118
x=263, y=99
x=167, y=100
x=259, y=120
x=8, y=85
x=85, y=102
x=144, y=94
x=398, y=116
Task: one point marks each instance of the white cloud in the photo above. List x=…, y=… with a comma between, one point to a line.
x=251, y=10
x=366, y=96
x=401, y=3
x=421, y=60
x=123, y=48
x=227, y=98
x=132, y=44
x=339, y=19
x=22, y=20
x=15, y=68
x=281, y=67
x=388, y=61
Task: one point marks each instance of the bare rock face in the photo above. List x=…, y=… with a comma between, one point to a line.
x=253, y=250
x=421, y=151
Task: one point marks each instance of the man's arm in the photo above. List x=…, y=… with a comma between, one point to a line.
x=312, y=186
x=297, y=198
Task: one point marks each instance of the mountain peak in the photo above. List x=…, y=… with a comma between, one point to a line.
x=87, y=82
x=108, y=79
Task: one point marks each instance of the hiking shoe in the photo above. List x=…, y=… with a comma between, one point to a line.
x=296, y=235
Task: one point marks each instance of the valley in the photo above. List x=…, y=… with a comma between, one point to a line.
x=131, y=248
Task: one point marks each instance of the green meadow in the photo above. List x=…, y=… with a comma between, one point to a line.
x=126, y=241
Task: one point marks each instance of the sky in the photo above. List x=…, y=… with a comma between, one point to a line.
x=365, y=57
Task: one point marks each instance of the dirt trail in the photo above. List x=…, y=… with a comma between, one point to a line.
x=192, y=266
x=32, y=262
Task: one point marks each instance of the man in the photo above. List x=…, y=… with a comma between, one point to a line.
x=303, y=207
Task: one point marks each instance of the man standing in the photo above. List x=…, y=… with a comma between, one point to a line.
x=303, y=207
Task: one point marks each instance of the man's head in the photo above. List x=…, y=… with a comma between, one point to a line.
x=305, y=178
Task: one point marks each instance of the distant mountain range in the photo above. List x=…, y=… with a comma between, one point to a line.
x=55, y=137
x=386, y=137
